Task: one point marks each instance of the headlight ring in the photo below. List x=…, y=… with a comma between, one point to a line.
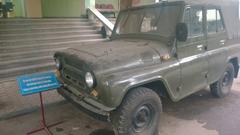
x=90, y=79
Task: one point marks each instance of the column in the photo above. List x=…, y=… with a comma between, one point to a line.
x=89, y=4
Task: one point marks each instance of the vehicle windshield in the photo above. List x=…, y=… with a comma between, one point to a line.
x=160, y=20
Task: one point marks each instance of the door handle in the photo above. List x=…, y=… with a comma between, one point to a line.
x=222, y=42
x=200, y=47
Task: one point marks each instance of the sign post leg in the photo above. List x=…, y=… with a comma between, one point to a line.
x=44, y=126
x=42, y=109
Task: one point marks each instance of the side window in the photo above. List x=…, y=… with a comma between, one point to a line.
x=149, y=24
x=214, y=21
x=194, y=20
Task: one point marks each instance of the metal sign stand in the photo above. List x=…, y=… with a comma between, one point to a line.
x=44, y=126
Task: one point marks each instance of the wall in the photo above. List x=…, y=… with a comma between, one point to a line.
x=113, y=2
x=62, y=8
x=18, y=8
x=127, y=3
x=33, y=8
x=89, y=3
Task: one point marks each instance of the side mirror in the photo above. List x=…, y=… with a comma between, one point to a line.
x=182, y=32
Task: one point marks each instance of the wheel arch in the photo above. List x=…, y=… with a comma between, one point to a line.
x=158, y=85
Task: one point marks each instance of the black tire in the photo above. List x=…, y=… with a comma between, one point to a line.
x=223, y=86
x=139, y=113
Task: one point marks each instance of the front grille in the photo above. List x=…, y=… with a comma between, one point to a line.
x=74, y=76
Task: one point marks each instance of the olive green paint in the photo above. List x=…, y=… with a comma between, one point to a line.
x=127, y=61
x=62, y=8
x=18, y=8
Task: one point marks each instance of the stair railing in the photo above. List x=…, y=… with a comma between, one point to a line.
x=107, y=26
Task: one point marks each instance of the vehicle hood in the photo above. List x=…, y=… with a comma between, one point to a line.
x=112, y=56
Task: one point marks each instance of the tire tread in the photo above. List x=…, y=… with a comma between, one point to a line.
x=129, y=101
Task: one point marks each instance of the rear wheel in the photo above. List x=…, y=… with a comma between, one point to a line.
x=139, y=113
x=223, y=86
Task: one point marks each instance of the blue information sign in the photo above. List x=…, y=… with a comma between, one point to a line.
x=35, y=83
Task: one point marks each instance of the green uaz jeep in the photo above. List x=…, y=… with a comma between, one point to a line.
x=170, y=49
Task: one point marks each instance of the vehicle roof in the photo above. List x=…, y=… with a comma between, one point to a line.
x=230, y=10
x=173, y=3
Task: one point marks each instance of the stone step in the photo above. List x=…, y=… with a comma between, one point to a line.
x=20, y=20
x=17, y=71
x=29, y=23
x=27, y=45
x=8, y=53
x=49, y=28
x=8, y=50
x=26, y=66
x=42, y=26
x=25, y=62
x=75, y=42
x=9, y=42
x=4, y=57
x=47, y=34
x=42, y=31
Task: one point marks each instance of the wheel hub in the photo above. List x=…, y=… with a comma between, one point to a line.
x=142, y=118
x=226, y=79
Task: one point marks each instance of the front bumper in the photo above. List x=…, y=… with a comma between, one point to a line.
x=85, y=102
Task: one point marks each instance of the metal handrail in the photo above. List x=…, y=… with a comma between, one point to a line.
x=94, y=13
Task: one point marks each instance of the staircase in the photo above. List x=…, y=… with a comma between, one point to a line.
x=27, y=45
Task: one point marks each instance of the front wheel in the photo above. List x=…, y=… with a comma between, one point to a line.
x=223, y=86
x=138, y=114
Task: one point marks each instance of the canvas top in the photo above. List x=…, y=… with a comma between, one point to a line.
x=230, y=10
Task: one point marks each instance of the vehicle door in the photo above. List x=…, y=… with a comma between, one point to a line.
x=216, y=38
x=192, y=54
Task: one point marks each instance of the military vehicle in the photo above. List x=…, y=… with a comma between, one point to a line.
x=169, y=49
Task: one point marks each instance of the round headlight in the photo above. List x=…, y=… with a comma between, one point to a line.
x=58, y=63
x=89, y=79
